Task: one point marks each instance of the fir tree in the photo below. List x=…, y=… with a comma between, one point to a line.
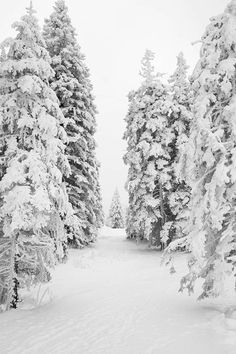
x=33, y=199
x=147, y=68
x=179, y=124
x=99, y=213
x=74, y=91
x=211, y=158
x=148, y=137
x=116, y=217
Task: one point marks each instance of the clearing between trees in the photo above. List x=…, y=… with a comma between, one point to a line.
x=115, y=297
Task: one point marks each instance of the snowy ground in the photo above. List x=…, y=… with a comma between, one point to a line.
x=115, y=298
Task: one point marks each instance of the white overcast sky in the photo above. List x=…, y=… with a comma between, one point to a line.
x=113, y=35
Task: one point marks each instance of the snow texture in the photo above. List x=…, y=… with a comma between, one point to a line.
x=115, y=298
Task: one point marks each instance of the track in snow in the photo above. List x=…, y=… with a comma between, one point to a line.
x=114, y=298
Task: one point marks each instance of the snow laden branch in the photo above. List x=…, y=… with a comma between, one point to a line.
x=211, y=159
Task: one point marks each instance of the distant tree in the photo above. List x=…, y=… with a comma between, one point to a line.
x=116, y=217
x=34, y=202
x=74, y=91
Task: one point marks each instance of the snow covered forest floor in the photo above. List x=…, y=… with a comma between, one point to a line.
x=114, y=297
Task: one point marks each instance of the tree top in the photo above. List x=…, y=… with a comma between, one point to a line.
x=30, y=10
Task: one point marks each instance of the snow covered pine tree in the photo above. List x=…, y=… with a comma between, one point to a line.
x=33, y=197
x=212, y=158
x=148, y=155
x=74, y=91
x=116, y=217
x=180, y=117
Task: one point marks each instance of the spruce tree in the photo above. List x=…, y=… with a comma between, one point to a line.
x=130, y=136
x=99, y=212
x=211, y=158
x=116, y=217
x=74, y=91
x=34, y=202
x=148, y=153
x=179, y=121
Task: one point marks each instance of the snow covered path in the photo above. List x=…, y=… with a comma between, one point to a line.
x=115, y=298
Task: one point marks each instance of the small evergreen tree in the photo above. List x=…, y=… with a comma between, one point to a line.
x=33, y=198
x=74, y=91
x=116, y=217
x=211, y=158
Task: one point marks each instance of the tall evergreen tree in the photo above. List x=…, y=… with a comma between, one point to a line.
x=148, y=154
x=180, y=118
x=211, y=158
x=74, y=91
x=116, y=217
x=33, y=199
x=99, y=212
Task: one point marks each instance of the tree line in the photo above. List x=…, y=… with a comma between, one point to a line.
x=49, y=175
x=181, y=154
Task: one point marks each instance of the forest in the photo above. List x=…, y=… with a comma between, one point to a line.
x=61, y=253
